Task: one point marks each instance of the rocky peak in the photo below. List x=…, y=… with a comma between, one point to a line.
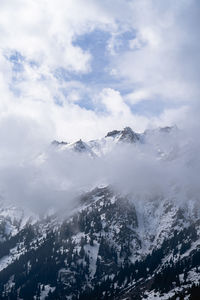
x=125, y=135
x=128, y=135
x=80, y=146
x=113, y=133
x=57, y=143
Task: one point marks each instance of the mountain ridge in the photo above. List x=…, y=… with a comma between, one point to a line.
x=111, y=245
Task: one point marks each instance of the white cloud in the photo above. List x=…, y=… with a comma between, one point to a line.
x=138, y=95
x=114, y=103
x=36, y=106
x=164, y=56
x=44, y=33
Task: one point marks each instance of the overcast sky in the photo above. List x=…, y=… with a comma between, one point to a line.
x=71, y=69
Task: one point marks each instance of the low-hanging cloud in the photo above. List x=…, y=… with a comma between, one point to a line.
x=160, y=61
x=165, y=165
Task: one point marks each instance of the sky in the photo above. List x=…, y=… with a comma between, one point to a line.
x=78, y=69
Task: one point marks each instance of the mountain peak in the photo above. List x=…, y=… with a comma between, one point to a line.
x=125, y=135
x=80, y=146
x=113, y=133
x=57, y=143
x=128, y=135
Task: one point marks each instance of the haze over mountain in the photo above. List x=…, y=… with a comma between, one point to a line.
x=99, y=149
x=119, y=221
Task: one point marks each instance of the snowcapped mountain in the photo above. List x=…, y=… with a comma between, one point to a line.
x=112, y=244
x=104, y=145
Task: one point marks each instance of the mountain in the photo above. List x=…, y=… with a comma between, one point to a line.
x=101, y=146
x=111, y=244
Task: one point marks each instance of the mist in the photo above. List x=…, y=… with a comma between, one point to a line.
x=51, y=88
x=164, y=165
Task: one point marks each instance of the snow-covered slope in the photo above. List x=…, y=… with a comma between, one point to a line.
x=112, y=244
x=101, y=146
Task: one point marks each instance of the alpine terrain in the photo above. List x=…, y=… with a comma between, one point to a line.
x=119, y=239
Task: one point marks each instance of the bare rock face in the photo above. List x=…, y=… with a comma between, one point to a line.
x=128, y=135
x=113, y=133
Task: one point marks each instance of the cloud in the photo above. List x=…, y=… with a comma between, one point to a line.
x=114, y=103
x=43, y=32
x=38, y=39
x=152, y=53
x=165, y=166
x=164, y=55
